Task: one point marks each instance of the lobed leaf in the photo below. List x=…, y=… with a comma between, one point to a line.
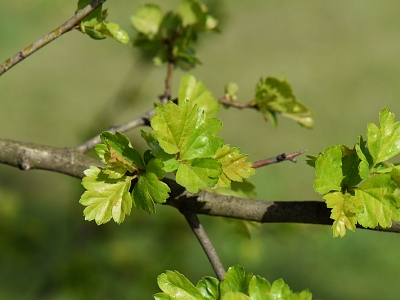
x=234, y=166
x=235, y=280
x=149, y=189
x=328, y=170
x=105, y=198
x=147, y=19
x=344, y=209
x=197, y=93
x=209, y=288
x=381, y=205
x=185, y=130
x=384, y=142
x=198, y=173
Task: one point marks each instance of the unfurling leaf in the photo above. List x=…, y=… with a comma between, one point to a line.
x=176, y=286
x=105, y=198
x=275, y=96
x=147, y=19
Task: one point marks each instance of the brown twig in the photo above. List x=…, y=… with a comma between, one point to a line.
x=164, y=98
x=227, y=102
x=277, y=159
x=67, y=26
x=140, y=121
x=205, y=243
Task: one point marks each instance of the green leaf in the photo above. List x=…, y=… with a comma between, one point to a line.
x=235, y=296
x=344, y=209
x=198, y=173
x=149, y=189
x=121, y=151
x=328, y=170
x=280, y=290
x=234, y=166
x=350, y=163
x=235, y=280
x=186, y=130
x=381, y=204
x=384, y=142
x=147, y=19
x=209, y=288
x=276, y=96
x=93, y=18
x=197, y=93
x=177, y=286
x=365, y=157
x=244, y=189
x=170, y=163
x=105, y=198
x=231, y=89
x=259, y=288
x=190, y=12
x=114, y=31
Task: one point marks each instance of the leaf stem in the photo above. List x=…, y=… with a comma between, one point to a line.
x=205, y=242
x=277, y=159
x=67, y=26
x=227, y=102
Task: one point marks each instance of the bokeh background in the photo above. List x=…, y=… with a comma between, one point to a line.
x=342, y=59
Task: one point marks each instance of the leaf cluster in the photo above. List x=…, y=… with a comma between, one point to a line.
x=235, y=285
x=96, y=26
x=168, y=37
x=360, y=184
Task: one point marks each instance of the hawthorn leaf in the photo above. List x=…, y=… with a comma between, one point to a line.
x=344, y=209
x=92, y=19
x=114, y=31
x=328, y=170
x=280, y=290
x=350, y=163
x=275, y=96
x=102, y=152
x=198, y=173
x=235, y=280
x=121, y=151
x=176, y=286
x=209, y=288
x=190, y=12
x=234, y=166
x=381, y=205
x=384, y=142
x=147, y=19
x=105, y=198
x=186, y=130
x=170, y=163
x=149, y=189
x=198, y=94
x=234, y=296
x=259, y=288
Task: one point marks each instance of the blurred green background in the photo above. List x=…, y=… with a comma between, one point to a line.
x=342, y=59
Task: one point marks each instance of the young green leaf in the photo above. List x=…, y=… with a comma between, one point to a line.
x=197, y=93
x=235, y=296
x=114, y=31
x=344, y=209
x=121, y=152
x=147, y=19
x=149, y=189
x=381, y=204
x=235, y=280
x=105, y=198
x=276, y=96
x=365, y=157
x=384, y=142
x=176, y=286
x=209, y=288
x=185, y=129
x=259, y=288
x=234, y=166
x=328, y=170
x=198, y=173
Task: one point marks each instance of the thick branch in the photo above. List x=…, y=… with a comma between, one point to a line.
x=67, y=26
x=27, y=156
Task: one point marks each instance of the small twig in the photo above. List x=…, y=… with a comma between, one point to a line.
x=67, y=26
x=164, y=98
x=205, y=242
x=277, y=159
x=140, y=121
x=226, y=101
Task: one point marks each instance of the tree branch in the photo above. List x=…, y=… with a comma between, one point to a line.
x=205, y=243
x=140, y=121
x=28, y=156
x=277, y=159
x=67, y=26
